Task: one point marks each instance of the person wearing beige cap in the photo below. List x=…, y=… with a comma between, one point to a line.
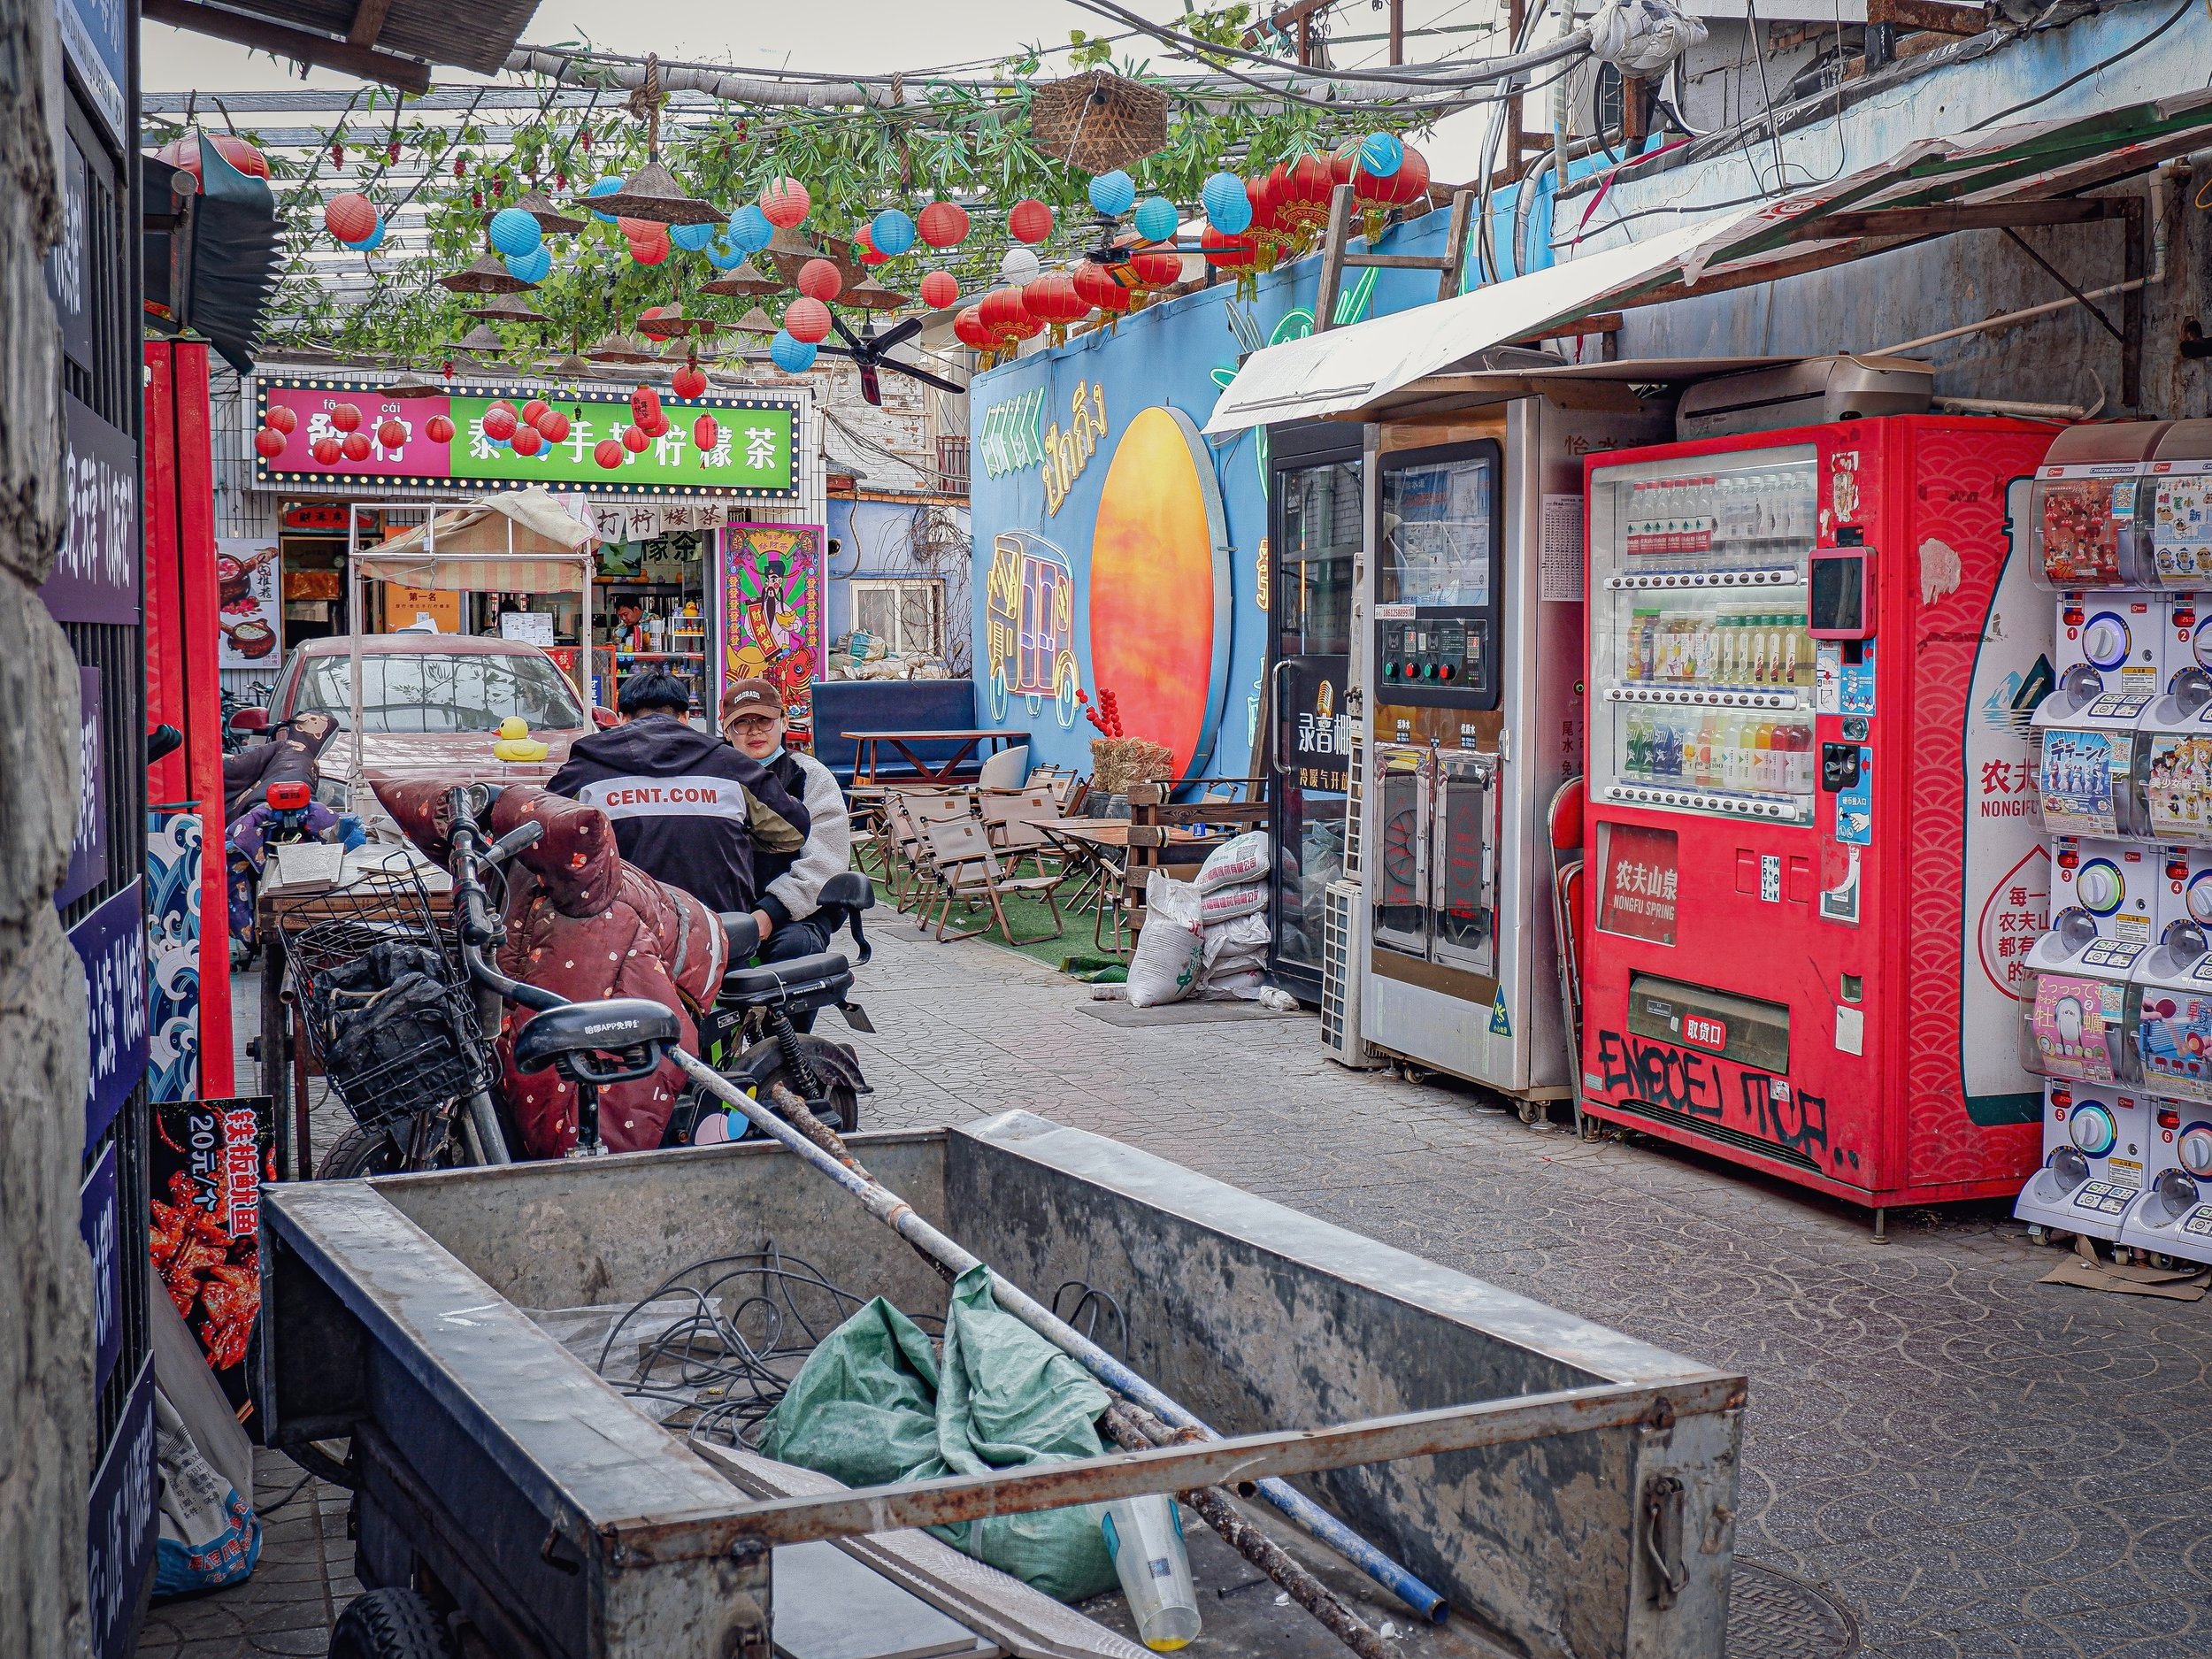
x=790, y=882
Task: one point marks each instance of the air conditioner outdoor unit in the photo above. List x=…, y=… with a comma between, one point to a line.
x=1806, y=394
x=1343, y=948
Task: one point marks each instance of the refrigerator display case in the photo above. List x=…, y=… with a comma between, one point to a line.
x=1815, y=854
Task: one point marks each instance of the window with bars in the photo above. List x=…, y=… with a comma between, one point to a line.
x=907, y=614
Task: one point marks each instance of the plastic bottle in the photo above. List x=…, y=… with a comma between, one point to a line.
x=1145, y=1538
x=1632, y=743
x=1800, y=770
x=1706, y=668
x=1709, y=753
x=1732, y=753
x=1762, y=746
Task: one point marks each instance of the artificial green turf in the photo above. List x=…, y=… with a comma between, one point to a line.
x=1027, y=913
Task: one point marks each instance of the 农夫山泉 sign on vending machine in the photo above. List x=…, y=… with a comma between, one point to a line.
x=750, y=451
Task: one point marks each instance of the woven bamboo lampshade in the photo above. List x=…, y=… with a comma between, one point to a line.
x=570, y=367
x=487, y=273
x=620, y=349
x=745, y=281
x=1098, y=121
x=789, y=249
x=507, y=308
x=668, y=322
x=540, y=207
x=871, y=296
x=755, y=321
x=410, y=384
x=652, y=193
x=480, y=341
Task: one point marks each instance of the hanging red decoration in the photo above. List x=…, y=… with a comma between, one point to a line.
x=643, y=229
x=705, y=434
x=1005, y=318
x=438, y=430
x=1101, y=285
x=281, y=418
x=391, y=434
x=636, y=439
x=553, y=425
x=346, y=416
x=940, y=288
x=537, y=410
x=1302, y=190
x=391, y=153
x=1410, y=184
x=649, y=252
x=608, y=453
x=691, y=381
x=785, y=202
x=337, y=154
x=807, y=319
x=500, y=423
x=1155, y=267
x=501, y=403
x=349, y=218
x=528, y=440
x=268, y=443
x=657, y=427
x=645, y=404
x=325, y=451
x=944, y=225
x=356, y=446
x=1227, y=253
x=864, y=245
x=1052, y=298
x=1029, y=219
x=968, y=329
x=184, y=154
x=818, y=279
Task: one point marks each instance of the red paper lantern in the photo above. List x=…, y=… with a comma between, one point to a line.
x=807, y=319
x=1052, y=298
x=1227, y=253
x=1005, y=318
x=351, y=216
x=649, y=252
x=1410, y=184
x=184, y=153
x=645, y=405
x=355, y=447
x=1029, y=219
x=608, y=453
x=1101, y=285
x=528, y=440
x=785, y=202
x=705, y=434
x=537, y=410
x=940, y=288
x=967, y=328
x=326, y=450
x=1264, y=194
x=1305, y=187
x=643, y=229
x=944, y=225
x=1155, y=267
x=346, y=416
x=281, y=418
x=500, y=423
x=438, y=430
x=268, y=443
x=553, y=426
x=818, y=279
x=864, y=245
x=690, y=382
x=658, y=427
x=636, y=439
x=1345, y=163
x=391, y=434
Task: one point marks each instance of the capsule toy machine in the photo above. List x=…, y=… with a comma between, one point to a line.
x=1468, y=664
x=1816, y=855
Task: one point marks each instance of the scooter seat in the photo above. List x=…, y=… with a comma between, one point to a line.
x=613, y=1025
x=825, y=971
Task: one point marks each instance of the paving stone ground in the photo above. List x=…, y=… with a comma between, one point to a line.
x=1979, y=1466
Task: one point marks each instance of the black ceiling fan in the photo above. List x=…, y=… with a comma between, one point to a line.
x=867, y=349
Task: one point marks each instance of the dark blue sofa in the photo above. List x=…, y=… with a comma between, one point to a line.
x=888, y=705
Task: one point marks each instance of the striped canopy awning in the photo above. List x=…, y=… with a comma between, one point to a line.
x=471, y=573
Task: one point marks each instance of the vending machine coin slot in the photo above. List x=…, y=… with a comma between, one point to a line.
x=1838, y=766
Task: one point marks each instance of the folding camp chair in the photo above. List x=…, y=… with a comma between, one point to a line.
x=968, y=870
x=1014, y=818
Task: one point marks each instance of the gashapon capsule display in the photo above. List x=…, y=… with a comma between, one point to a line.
x=2094, y=1144
x=2089, y=506
x=2173, y=1216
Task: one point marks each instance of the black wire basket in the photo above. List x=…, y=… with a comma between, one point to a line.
x=446, y=1059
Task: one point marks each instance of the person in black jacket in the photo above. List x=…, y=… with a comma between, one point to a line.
x=687, y=808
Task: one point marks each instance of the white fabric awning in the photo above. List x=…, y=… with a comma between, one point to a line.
x=516, y=543
x=1349, y=368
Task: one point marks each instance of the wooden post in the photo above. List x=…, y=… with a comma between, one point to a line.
x=1449, y=283
x=1397, y=31
x=1516, y=16
x=2132, y=304
x=1333, y=258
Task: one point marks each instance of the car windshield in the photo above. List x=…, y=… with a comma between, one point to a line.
x=434, y=692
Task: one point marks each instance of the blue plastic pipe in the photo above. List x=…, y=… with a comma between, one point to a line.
x=895, y=1213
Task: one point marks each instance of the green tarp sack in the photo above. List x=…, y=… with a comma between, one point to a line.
x=875, y=1406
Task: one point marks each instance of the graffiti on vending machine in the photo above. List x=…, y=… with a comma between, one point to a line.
x=1719, y=1091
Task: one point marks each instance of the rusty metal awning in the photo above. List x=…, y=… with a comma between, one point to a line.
x=2035, y=174
x=395, y=41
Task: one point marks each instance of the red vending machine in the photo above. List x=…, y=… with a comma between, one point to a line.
x=1815, y=858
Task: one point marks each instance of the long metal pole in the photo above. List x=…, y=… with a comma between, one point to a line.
x=895, y=1213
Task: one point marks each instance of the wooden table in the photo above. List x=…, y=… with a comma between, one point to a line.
x=870, y=746
x=1092, y=842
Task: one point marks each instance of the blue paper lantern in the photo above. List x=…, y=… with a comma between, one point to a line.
x=1113, y=193
x=532, y=267
x=1228, y=210
x=371, y=242
x=892, y=232
x=1381, y=154
x=723, y=256
x=1157, y=219
x=792, y=356
x=749, y=230
x=607, y=186
x=691, y=238
x=515, y=233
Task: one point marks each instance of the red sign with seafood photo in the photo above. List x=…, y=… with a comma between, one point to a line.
x=206, y=1160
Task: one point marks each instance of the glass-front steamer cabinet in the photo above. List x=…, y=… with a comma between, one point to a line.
x=1702, y=691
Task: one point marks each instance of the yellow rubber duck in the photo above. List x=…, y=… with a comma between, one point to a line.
x=515, y=741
